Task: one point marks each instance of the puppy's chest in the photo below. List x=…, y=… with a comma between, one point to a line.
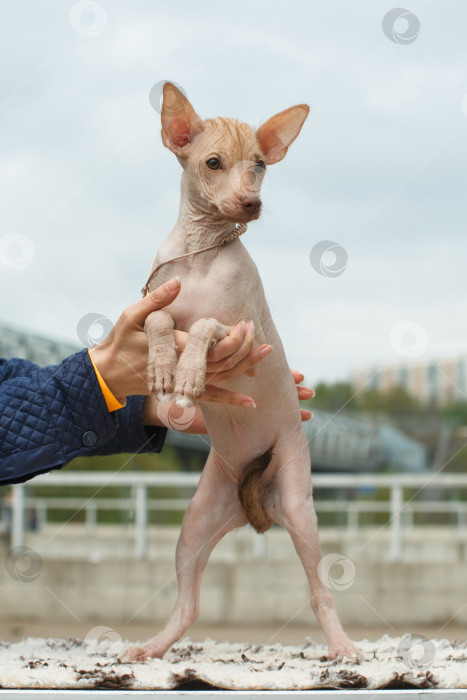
x=228, y=293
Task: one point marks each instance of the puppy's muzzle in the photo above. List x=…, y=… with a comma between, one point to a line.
x=251, y=205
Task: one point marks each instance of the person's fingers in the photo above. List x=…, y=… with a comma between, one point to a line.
x=304, y=392
x=297, y=376
x=197, y=425
x=305, y=415
x=252, y=372
x=245, y=345
x=232, y=361
x=248, y=362
x=160, y=297
x=215, y=394
x=180, y=340
x=229, y=344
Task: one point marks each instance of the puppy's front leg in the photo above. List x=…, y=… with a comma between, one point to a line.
x=162, y=357
x=190, y=375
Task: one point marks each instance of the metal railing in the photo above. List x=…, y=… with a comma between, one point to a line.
x=400, y=511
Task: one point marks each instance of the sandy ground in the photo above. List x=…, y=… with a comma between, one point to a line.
x=272, y=634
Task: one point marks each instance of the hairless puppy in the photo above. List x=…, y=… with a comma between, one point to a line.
x=258, y=469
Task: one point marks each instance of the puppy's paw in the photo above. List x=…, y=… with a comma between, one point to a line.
x=183, y=401
x=189, y=383
x=132, y=654
x=176, y=411
x=165, y=398
x=160, y=378
x=344, y=648
x=148, y=651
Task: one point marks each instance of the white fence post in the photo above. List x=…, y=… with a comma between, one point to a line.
x=408, y=520
x=400, y=519
x=352, y=519
x=259, y=545
x=91, y=515
x=141, y=521
x=396, y=510
x=41, y=515
x=17, y=528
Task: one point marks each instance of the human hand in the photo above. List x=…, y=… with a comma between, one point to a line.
x=304, y=393
x=197, y=425
x=123, y=356
x=233, y=355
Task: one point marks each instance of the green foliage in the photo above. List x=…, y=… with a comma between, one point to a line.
x=332, y=397
x=396, y=401
x=457, y=412
x=168, y=460
x=342, y=396
x=422, y=421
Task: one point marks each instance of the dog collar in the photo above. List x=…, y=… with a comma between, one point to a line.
x=236, y=233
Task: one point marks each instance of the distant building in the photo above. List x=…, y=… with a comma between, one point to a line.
x=438, y=381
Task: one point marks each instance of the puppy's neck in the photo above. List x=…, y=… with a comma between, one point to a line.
x=198, y=224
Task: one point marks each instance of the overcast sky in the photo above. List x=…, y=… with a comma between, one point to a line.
x=88, y=192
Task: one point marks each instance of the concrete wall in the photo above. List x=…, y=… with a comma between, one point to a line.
x=422, y=544
x=238, y=588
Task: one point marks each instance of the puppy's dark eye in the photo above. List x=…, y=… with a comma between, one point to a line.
x=259, y=167
x=213, y=163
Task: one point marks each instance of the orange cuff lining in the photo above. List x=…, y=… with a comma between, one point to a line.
x=113, y=404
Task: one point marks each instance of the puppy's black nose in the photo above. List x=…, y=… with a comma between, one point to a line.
x=251, y=204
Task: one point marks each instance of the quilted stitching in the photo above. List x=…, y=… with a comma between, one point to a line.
x=47, y=407
x=46, y=411
x=132, y=436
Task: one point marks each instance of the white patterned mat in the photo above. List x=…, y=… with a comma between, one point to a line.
x=389, y=662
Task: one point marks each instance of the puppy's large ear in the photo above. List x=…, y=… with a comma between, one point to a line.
x=180, y=123
x=276, y=135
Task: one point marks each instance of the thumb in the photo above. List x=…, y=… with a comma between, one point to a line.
x=160, y=297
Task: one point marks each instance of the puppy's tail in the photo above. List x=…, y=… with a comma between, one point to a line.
x=248, y=492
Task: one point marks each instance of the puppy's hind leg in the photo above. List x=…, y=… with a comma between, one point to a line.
x=289, y=502
x=213, y=512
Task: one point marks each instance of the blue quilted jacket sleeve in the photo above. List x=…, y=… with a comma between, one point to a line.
x=49, y=415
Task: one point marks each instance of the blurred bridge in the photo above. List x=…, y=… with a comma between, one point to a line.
x=337, y=443
x=33, y=347
x=341, y=444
